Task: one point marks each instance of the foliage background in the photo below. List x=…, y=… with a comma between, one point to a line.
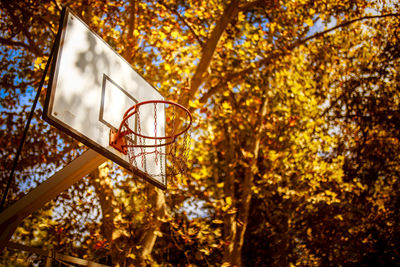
x=295, y=158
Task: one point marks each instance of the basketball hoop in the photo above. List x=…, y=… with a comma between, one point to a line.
x=144, y=136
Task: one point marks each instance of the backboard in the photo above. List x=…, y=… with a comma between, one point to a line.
x=90, y=88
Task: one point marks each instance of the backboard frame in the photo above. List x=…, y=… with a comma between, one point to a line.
x=53, y=120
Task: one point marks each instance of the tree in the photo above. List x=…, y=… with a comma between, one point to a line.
x=292, y=102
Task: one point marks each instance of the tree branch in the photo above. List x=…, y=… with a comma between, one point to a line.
x=248, y=6
x=209, y=48
x=175, y=12
x=344, y=24
x=32, y=44
x=300, y=42
x=5, y=41
x=128, y=53
x=157, y=200
x=278, y=54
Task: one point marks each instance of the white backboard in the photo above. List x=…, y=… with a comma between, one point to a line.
x=91, y=86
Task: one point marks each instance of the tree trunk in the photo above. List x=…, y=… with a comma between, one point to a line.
x=209, y=48
x=235, y=228
x=158, y=211
x=235, y=224
x=103, y=186
x=230, y=223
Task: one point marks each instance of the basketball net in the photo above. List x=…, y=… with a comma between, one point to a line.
x=167, y=148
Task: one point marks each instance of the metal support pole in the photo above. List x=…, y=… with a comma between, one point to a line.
x=46, y=191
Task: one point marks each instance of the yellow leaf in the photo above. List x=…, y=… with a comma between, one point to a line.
x=232, y=211
x=132, y=256
x=228, y=201
x=43, y=225
x=340, y=217
x=203, y=32
x=272, y=27
x=241, y=17
x=309, y=232
x=226, y=106
x=229, y=45
x=162, y=35
x=247, y=44
x=195, y=104
x=158, y=233
x=249, y=101
x=38, y=63
x=207, y=252
x=255, y=189
x=175, y=34
x=309, y=22
x=217, y=221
